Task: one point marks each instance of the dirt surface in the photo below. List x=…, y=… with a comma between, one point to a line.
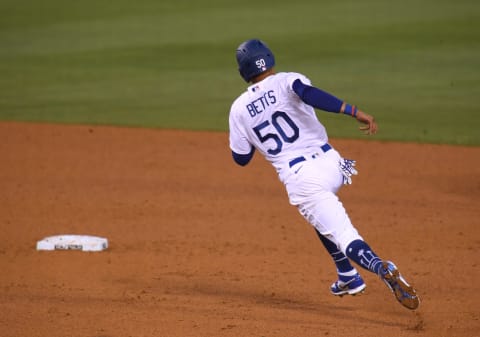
x=202, y=247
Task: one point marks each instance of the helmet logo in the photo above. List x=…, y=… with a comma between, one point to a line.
x=261, y=64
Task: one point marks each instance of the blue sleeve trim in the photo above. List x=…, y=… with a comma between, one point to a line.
x=317, y=98
x=243, y=159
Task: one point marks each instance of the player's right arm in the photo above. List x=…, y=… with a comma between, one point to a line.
x=370, y=126
x=324, y=101
x=316, y=97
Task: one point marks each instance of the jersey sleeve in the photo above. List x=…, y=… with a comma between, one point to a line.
x=316, y=97
x=238, y=139
x=292, y=77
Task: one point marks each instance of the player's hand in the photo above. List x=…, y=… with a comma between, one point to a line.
x=370, y=127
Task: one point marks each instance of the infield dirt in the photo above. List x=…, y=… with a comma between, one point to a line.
x=202, y=247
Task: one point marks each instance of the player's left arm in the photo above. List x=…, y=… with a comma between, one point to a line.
x=243, y=159
x=324, y=101
x=242, y=149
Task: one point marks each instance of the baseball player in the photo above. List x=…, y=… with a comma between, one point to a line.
x=275, y=116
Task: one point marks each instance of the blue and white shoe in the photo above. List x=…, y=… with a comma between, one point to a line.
x=352, y=286
x=404, y=293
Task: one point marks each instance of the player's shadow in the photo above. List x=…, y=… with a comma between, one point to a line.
x=227, y=293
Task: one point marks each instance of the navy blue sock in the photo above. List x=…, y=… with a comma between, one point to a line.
x=341, y=261
x=361, y=253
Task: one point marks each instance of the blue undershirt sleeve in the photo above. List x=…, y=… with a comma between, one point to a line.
x=317, y=98
x=243, y=159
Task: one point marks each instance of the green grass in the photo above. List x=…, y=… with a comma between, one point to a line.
x=414, y=65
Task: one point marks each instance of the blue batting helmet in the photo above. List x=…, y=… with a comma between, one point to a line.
x=253, y=58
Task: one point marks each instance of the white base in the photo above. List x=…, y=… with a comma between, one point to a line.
x=84, y=243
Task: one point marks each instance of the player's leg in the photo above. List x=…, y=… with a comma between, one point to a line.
x=349, y=280
x=327, y=214
x=316, y=199
x=314, y=195
x=360, y=252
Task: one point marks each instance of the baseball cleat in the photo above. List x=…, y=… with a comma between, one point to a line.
x=353, y=286
x=404, y=293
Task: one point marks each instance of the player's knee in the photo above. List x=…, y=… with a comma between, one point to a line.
x=346, y=237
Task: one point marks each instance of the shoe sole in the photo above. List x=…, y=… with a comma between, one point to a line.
x=404, y=293
x=352, y=292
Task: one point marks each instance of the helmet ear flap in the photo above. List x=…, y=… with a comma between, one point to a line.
x=244, y=71
x=242, y=74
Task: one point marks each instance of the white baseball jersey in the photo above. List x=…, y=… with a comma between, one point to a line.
x=271, y=117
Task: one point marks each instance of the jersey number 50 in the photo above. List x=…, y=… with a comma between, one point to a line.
x=281, y=135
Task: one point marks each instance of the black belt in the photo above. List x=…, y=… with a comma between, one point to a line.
x=325, y=147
